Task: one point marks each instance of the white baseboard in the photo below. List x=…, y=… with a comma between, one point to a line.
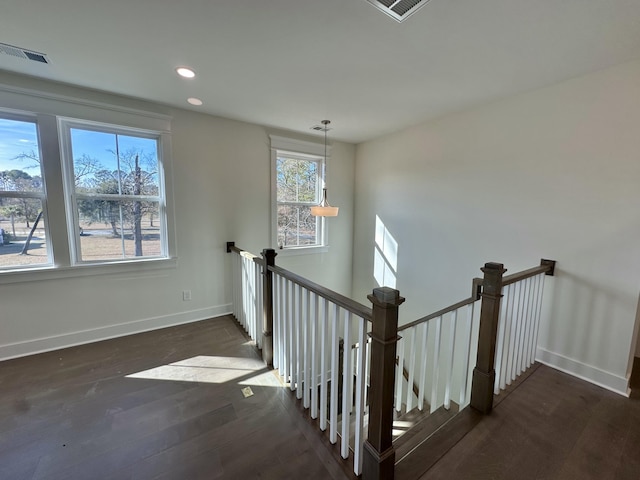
x=589, y=373
x=40, y=345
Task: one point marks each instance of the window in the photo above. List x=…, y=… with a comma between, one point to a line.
x=115, y=193
x=23, y=232
x=298, y=170
x=297, y=187
x=80, y=192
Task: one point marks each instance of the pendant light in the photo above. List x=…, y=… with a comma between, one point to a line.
x=324, y=209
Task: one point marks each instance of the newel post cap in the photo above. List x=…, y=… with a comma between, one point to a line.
x=493, y=267
x=269, y=254
x=386, y=297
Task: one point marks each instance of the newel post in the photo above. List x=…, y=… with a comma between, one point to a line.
x=269, y=258
x=484, y=373
x=379, y=454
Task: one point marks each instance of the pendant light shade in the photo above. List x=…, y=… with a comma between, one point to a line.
x=324, y=209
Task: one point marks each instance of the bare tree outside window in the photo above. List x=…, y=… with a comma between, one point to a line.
x=119, y=191
x=24, y=235
x=297, y=182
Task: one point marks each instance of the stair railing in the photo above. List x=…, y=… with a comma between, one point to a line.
x=302, y=328
x=305, y=327
x=519, y=322
x=434, y=357
x=247, y=291
x=310, y=325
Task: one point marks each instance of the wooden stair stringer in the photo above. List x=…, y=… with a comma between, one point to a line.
x=413, y=464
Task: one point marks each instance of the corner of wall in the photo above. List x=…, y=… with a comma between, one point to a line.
x=589, y=373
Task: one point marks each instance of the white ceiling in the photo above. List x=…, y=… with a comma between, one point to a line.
x=291, y=63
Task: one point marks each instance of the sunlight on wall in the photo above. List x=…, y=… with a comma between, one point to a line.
x=207, y=369
x=385, y=260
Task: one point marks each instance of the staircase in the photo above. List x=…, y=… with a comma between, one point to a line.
x=401, y=396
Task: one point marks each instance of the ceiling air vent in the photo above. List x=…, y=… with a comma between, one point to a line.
x=23, y=53
x=399, y=10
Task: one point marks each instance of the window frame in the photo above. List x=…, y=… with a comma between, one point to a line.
x=29, y=117
x=46, y=109
x=72, y=196
x=302, y=150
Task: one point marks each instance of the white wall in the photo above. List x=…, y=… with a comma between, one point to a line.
x=221, y=193
x=552, y=173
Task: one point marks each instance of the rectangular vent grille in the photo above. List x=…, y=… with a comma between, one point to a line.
x=23, y=53
x=399, y=10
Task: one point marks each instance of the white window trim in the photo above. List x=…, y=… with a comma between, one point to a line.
x=45, y=108
x=64, y=127
x=300, y=148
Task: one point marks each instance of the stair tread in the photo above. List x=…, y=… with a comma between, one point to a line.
x=423, y=425
x=426, y=454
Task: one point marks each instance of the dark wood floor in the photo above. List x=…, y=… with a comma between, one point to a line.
x=553, y=426
x=169, y=405
x=122, y=409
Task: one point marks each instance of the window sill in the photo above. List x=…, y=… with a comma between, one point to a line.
x=291, y=251
x=139, y=267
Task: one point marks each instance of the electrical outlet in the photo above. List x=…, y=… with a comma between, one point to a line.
x=186, y=295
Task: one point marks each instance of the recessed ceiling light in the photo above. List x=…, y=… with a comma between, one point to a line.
x=194, y=101
x=185, y=72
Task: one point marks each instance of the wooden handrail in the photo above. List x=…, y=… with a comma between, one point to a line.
x=340, y=300
x=546, y=266
x=231, y=247
x=444, y=311
x=475, y=295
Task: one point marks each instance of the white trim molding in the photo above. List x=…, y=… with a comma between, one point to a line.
x=589, y=373
x=57, y=342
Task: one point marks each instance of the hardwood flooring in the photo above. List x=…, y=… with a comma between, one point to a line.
x=553, y=426
x=165, y=405
x=169, y=405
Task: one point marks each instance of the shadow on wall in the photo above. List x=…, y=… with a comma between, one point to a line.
x=595, y=307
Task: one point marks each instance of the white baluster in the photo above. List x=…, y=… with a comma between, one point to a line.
x=534, y=326
x=259, y=307
x=422, y=331
x=523, y=324
x=436, y=364
x=400, y=371
x=297, y=341
x=452, y=339
x=538, y=314
x=501, y=341
x=361, y=385
x=466, y=363
x=234, y=285
x=513, y=356
x=276, y=327
x=306, y=342
x=313, y=383
x=335, y=347
x=347, y=381
x=325, y=354
x=529, y=330
x=412, y=367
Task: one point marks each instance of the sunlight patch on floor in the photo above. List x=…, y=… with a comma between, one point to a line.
x=210, y=369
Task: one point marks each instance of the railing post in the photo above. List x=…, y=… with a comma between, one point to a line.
x=269, y=260
x=484, y=373
x=379, y=454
